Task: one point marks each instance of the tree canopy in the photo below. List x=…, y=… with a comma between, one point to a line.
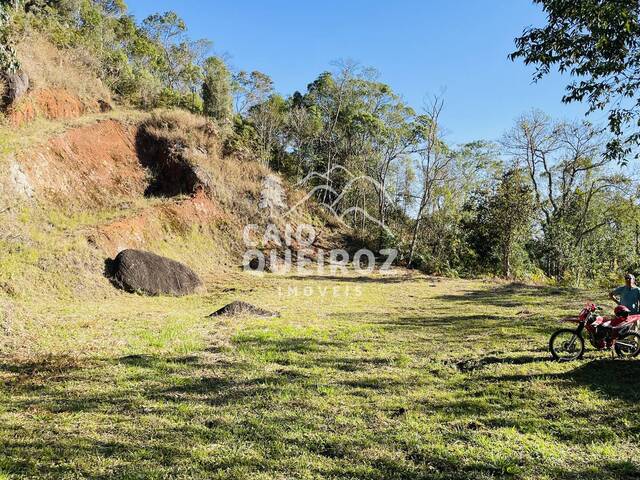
x=548, y=201
x=598, y=43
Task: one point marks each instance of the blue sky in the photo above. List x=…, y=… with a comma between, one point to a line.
x=419, y=47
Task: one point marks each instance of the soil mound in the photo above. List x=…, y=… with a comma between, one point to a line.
x=239, y=308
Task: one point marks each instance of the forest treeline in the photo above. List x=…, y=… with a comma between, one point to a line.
x=545, y=201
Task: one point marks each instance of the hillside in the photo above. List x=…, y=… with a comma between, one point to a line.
x=403, y=321
x=78, y=185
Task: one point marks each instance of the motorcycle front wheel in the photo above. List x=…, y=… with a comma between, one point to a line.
x=628, y=345
x=566, y=345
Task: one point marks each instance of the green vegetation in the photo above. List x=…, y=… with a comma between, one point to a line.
x=216, y=90
x=397, y=376
x=598, y=42
x=424, y=192
x=415, y=377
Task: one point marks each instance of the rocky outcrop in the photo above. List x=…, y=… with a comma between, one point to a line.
x=143, y=272
x=17, y=85
x=174, y=166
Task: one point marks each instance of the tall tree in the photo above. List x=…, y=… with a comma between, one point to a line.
x=511, y=215
x=268, y=119
x=216, y=90
x=433, y=165
x=568, y=172
x=250, y=89
x=179, y=65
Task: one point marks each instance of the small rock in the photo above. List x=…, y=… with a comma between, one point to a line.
x=238, y=308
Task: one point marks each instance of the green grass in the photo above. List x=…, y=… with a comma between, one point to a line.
x=395, y=378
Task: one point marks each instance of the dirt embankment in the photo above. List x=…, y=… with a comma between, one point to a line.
x=52, y=104
x=157, y=182
x=88, y=167
x=100, y=167
x=61, y=84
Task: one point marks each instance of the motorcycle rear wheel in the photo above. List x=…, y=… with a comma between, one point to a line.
x=628, y=345
x=566, y=345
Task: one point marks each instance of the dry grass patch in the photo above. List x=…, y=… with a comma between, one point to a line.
x=70, y=69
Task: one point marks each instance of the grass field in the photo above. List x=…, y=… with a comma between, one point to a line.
x=396, y=377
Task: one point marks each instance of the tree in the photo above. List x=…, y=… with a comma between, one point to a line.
x=8, y=59
x=250, y=89
x=392, y=136
x=569, y=174
x=433, y=165
x=510, y=214
x=179, y=64
x=216, y=90
x=267, y=119
x=349, y=128
x=597, y=41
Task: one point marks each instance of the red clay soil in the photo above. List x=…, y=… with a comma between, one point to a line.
x=52, y=104
x=87, y=167
x=132, y=232
x=135, y=232
x=97, y=167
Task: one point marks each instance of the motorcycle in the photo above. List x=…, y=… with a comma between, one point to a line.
x=618, y=333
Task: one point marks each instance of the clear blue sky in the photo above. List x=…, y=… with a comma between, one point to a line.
x=419, y=47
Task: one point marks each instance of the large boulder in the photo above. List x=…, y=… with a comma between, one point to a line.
x=17, y=85
x=145, y=272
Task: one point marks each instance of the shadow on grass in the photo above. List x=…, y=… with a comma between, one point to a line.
x=618, y=469
x=152, y=361
x=453, y=321
x=614, y=378
x=479, y=363
x=149, y=403
x=48, y=367
x=503, y=295
x=384, y=279
x=287, y=344
x=147, y=413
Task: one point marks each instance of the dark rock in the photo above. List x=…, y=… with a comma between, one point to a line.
x=104, y=106
x=144, y=272
x=17, y=85
x=174, y=171
x=243, y=308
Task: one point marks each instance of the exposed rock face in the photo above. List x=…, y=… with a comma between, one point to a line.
x=145, y=272
x=17, y=86
x=174, y=171
x=20, y=182
x=273, y=195
x=243, y=308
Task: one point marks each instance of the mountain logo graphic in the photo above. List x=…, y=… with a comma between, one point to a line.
x=333, y=206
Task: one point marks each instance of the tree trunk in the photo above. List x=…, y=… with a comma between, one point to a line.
x=381, y=215
x=414, y=237
x=506, y=262
x=426, y=195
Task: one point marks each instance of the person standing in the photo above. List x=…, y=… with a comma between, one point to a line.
x=627, y=295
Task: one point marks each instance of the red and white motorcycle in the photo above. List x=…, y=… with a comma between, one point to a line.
x=618, y=333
